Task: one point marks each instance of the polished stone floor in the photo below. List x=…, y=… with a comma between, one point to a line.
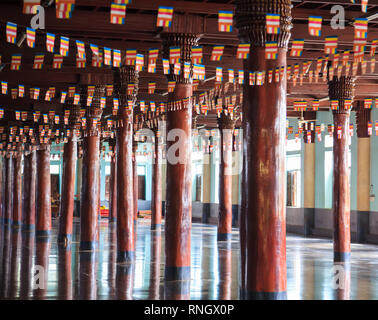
x=215, y=268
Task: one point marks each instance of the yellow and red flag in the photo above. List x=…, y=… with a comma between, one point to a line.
x=11, y=32
x=360, y=28
x=38, y=61
x=64, y=8
x=330, y=46
x=271, y=50
x=272, y=23
x=297, y=47
x=225, y=21
x=64, y=46
x=164, y=18
x=30, y=37
x=16, y=62
x=243, y=51
x=174, y=55
x=216, y=54
x=197, y=54
x=117, y=13
x=315, y=25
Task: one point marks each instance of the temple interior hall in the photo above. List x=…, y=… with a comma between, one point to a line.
x=188, y=150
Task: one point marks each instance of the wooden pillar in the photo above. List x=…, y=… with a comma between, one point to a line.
x=341, y=89
x=113, y=183
x=263, y=191
x=8, y=199
x=135, y=182
x=363, y=116
x=156, y=204
x=42, y=252
x=17, y=190
x=67, y=202
x=125, y=189
x=29, y=190
x=88, y=272
x=90, y=173
x=226, y=126
x=178, y=215
x=155, y=254
x=43, y=191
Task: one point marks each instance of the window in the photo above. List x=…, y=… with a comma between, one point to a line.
x=293, y=167
x=293, y=145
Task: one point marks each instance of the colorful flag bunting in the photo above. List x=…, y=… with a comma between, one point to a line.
x=330, y=46
x=30, y=37
x=80, y=49
x=174, y=55
x=38, y=61
x=151, y=87
x=360, y=28
x=216, y=54
x=297, y=47
x=243, y=51
x=28, y=6
x=272, y=23
x=139, y=62
x=164, y=18
x=50, y=42
x=64, y=8
x=315, y=25
x=117, y=13
x=16, y=62
x=116, y=58
x=57, y=61
x=107, y=56
x=271, y=50
x=225, y=21
x=11, y=32
x=131, y=57
x=64, y=46
x=197, y=55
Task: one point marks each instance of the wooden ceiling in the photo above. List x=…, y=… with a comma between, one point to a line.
x=90, y=23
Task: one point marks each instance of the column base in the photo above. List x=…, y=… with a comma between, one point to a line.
x=224, y=236
x=88, y=245
x=125, y=256
x=252, y=295
x=341, y=256
x=42, y=233
x=156, y=227
x=177, y=273
x=16, y=224
x=28, y=227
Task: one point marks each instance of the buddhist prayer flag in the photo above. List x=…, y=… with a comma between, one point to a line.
x=364, y=4
x=109, y=90
x=359, y=45
x=216, y=54
x=153, y=54
x=80, y=49
x=231, y=75
x=151, y=87
x=373, y=47
x=102, y=102
x=131, y=57
x=89, y=100
x=64, y=8
x=35, y=93
x=80, y=63
x=346, y=55
x=315, y=105
x=16, y=62
x=176, y=69
x=38, y=61
x=64, y=46
x=50, y=42
x=171, y=86
x=57, y=61
x=272, y=23
x=315, y=25
x=71, y=92
x=116, y=58
x=94, y=49
x=360, y=28
x=225, y=21
x=271, y=50
x=199, y=72
x=165, y=66
x=243, y=51
x=174, y=55
x=139, y=62
x=252, y=78
x=334, y=104
x=63, y=97
x=11, y=32
x=297, y=47
x=241, y=77
x=30, y=37
x=164, y=18
x=130, y=88
x=370, y=128
x=330, y=46
x=152, y=68
x=117, y=13
x=107, y=56
x=187, y=70
x=76, y=99
x=218, y=74
x=197, y=54
x=28, y=6
x=21, y=90
x=368, y=103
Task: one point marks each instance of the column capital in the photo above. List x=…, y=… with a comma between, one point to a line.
x=226, y=122
x=363, y=116
x=341, y=89
x=94, y=112
x=250, y=17
x=185, y=41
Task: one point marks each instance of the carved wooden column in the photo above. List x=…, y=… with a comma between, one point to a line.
x=125, y=190
x=43, y=191
x=29, y=189
x=178, y=217
x=363, y=116
x=90, y=171
x=113, y=183
x=226, y=126
x=263, y=254
x=17, y=190
x=135, y=181
x=341, y=89
x=156, y=204
x=68, y=191
x=8, y=199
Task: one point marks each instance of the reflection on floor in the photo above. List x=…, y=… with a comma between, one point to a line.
x=215, y=268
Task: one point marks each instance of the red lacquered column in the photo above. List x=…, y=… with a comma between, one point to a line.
x=264, y=119
x=68, y=191
x=226, y=126
x=341, y=89
x=178, y=218
x=125, y=189
x=135, y=181
x=17, y=192
x=42, y=252
x=8, y=194
x=91, y=172
x=156, y=204
x=29, y=190
x=43, y=191
x=64, y=273
x=153, y=293
x=113, y=185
